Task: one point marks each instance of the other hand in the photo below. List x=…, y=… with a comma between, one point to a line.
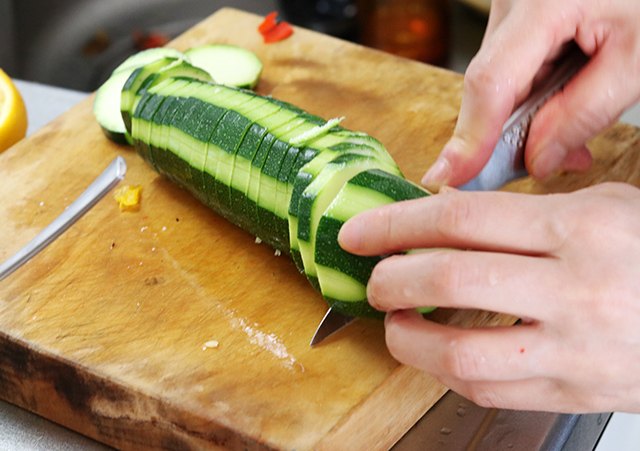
x=522, y=37
x=567, y=264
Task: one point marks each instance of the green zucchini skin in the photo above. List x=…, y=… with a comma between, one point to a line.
x=368, y=189
x=106, y=106
x=232, y=149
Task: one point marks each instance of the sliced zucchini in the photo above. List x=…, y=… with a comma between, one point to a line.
x=129, y=91
x=106, y=105
x=319, y=194
x=228, y=64
x=285, y=175
x=145, y=57
x=343, y=276
x=106, y=109
x=146, y=77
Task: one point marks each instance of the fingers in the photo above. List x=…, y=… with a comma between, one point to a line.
x=497, y=13
x=511, y=284
x=501, y=367
x=490, y=354
x=534, y=394
x=495, y=81
x=594, y=99
x=497, y=221
x=579, y=160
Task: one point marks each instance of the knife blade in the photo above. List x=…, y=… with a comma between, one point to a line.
x=507, y=160
x=96, y=191
x=331, y=323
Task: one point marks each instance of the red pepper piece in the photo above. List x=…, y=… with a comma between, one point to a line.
x=273, y=31
x=282, y=31
x=144, y=41
x=269, y=23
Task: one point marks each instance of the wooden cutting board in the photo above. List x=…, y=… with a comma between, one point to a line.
x=105, y=331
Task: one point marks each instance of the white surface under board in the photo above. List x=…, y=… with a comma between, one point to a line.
x=621, y=434
x=45, y=103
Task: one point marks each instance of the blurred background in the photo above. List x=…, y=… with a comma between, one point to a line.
x=76, y=44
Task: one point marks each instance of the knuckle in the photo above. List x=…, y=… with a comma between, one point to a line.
x=377, y=285
x=456, y=218
x=448, y=277
x=480, y=77
x=390, y=230
x=463, y=361
x=556, y=230
x=485, y=396
x=587, y=122
x=595, y=217
x=396, y=345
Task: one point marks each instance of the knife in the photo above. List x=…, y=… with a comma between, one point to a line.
x=96, y=191
x=507, y=160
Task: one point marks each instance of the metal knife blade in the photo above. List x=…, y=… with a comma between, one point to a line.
x=331, y=323
x=101, y=186
x=507, y=160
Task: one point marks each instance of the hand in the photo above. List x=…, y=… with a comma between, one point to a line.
x=522, y=37
x=567, y=264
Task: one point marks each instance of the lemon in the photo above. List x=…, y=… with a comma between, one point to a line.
x=13, y=114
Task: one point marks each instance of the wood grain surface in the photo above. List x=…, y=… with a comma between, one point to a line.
x=105, y=331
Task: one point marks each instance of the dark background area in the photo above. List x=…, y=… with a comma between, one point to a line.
x=77, y=43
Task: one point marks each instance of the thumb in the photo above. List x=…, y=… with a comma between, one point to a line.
x=478, y=128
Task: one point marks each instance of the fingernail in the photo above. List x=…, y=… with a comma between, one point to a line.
x=438, y=174
x=371, y=297
x=579, y=160
x=351, y=234
x=548, y=160
x=448, y=189
x=387, y=318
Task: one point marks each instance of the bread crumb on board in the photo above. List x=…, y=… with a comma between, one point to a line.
x=211, y=344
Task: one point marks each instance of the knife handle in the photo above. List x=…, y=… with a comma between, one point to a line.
x=516, y=129
x=507, y=160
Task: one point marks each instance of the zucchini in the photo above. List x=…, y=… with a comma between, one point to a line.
x=228, y=64
x=149, y=56
x=320, y=192
x=131, y=86
x=285, y=175
x=343, y=276
x=106, y=105
x=145, y=77
x=232, y=65
x=106, y=109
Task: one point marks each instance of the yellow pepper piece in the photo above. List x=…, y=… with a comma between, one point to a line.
x=128, y=197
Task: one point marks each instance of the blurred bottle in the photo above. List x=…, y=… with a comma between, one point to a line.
x=416, y=29
x=333, y=17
